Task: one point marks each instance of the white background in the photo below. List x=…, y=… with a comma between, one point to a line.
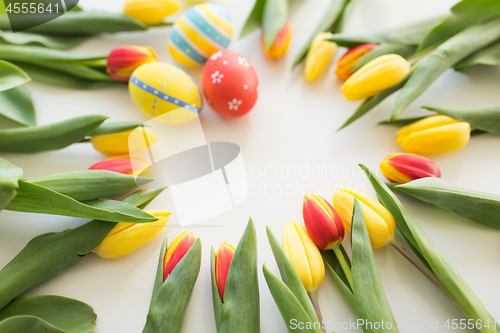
x=286, y=139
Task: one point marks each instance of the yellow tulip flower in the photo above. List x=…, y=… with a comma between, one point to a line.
x=376, y=76
x=379, y=221
x=124, y=143
x=434, y=134
x=304, y=255
x=150, y=11
x=319, y=56
x=125, y=238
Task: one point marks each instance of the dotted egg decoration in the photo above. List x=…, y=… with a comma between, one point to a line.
x=159, y=88
x=230, y=84
x=201, y=31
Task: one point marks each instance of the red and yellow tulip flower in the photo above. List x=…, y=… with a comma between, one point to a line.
x=176, y=252
x=123, y=60
x=404, y=167
x=150, y=11
x=304, y=256
x=379, y=221
x=434, y=134
x=222, y=264
x=124, y=143
x=319, y=56
x=125, y=238
x=281, y=43
x=322, y=222
x=126, y=164
x=351, y=58
x=376, y=76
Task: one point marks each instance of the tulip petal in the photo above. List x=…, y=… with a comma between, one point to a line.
x=125, y=238
x=150, y=11
x=222, y=264
x=380, y=223
x=176, y=251
x=437, y=140
x=322, y=222
x=124, y=143
x=319, y=56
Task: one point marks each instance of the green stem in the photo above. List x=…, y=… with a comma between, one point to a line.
x=344, y=265
x=428, y=273
x=314, y=301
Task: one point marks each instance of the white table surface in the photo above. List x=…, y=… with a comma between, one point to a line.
x=286, y=140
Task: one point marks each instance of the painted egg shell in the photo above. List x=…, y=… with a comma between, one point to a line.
x=230, y=84
x=201, y=31
x=159, y=88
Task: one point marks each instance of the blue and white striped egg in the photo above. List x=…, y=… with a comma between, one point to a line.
x=165, y=92
x=200, y=32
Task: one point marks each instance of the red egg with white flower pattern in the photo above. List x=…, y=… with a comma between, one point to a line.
x=230, y=84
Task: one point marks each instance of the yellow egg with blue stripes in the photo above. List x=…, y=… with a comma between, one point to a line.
x=200, y=32
x=165, y=92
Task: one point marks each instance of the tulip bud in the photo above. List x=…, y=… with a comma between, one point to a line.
x=434, y=134
x=379, y=221
x=281, y=43
x=222, y=264
x=351, y=58
x=125, y=238
x=304, y=256
x=150, y=11
x=319, y=55
x=376, y=76
x=126, y=164
x=123, y=60
x=124, y=143
x=403, y=168
x=176, y=251
x=322, y=222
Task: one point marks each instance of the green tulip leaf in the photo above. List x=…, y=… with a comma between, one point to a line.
x=75, y=70
x=480, y=207
x=485, y=118
x=26, y=38
x=333, y=265
x=48, y=255
x=171, y=298
x=254, y=20
x=406, y=51
x=409, y=34
x=401, y=121
x=369, y=295
x=61, y=79
x=462, y=294
x=444, y=57
x=49, y=137
x=90, y=184
x=58, y=314
x=290, y=277
x=16, y=104
x=274, y=17
x=240, y=310
x=464, y=14
x=11, y=76
x=290, y=308
x=372, y=102
x=9, y=175
x=78, y=24
x=487, y=56
x=33, y=198
x=333, y=15
x=116, y=127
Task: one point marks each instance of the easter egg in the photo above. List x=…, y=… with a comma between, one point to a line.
x=201, y=31
x=158, y=88
x=230, y=84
